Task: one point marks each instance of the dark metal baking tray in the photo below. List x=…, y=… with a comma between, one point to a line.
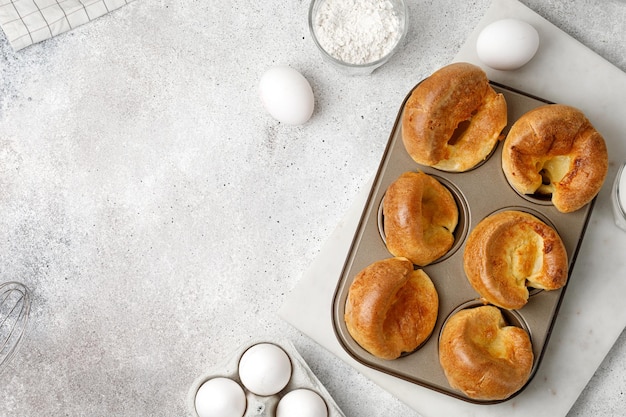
x=478, y=192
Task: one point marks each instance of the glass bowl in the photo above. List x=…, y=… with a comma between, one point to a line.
x=352, y=47
x=618, y=197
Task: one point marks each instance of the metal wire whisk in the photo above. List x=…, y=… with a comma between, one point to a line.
x=14, y=310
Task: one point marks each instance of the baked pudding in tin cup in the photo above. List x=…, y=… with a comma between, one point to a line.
x=484, y=354
x=358, y=37
x=419, y=218
x=508, y=252
x=553, y=151
x=453, y=120
x=391, y=308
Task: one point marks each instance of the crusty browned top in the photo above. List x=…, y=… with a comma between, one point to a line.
x=484, y=357
x=455, y=96
x=391, y=308
x=554, y=149
x=510, y=250
x=420, y=216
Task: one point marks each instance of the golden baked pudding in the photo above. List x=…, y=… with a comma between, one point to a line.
x=391, y=308
x=555, y=151
x=484, y=357
x=453, y=119
x=419, y=218
x=509, y=251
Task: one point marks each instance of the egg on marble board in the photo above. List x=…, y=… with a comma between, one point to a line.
x=265, y=369
x=220, y=397
x=507, y=44
x=287, y=95
x=302, y=403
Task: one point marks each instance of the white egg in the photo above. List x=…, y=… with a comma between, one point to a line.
x=507, y=44
x=220, y=397
x=286, y=95
x=265, y=369
x=302, y=403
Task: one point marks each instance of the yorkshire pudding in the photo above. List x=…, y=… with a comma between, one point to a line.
x=391, y=308
x=419, y=218
x=554, y=150
x=484, y=357
x=510, y=250
x=453, y=119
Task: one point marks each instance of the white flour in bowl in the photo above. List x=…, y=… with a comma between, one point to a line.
x=357, y=31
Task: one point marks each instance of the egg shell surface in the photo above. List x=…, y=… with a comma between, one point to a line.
x=286, y=95
x=220, y=397
x=265, y=369
x=507, y=44
x=301, y=403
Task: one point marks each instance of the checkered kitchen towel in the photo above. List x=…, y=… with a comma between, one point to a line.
x=26, y=22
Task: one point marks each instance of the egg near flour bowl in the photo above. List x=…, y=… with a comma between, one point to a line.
x=286, y=95
x=507, y=44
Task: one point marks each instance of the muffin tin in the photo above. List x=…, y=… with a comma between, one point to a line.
x=265, y=406
x=478, y=192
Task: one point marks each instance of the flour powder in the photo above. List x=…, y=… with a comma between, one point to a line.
x=357, y=31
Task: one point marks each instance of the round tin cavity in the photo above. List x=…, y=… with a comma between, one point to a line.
x=528, y=210
x=541, y=199
x=462, y=227
x=511, y=317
